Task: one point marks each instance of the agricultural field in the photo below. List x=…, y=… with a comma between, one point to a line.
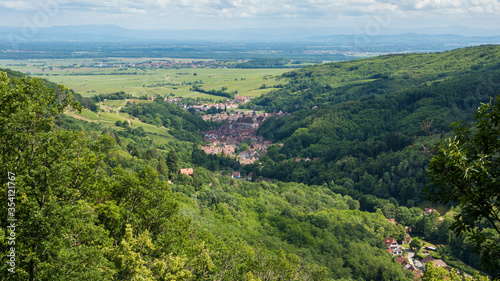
x=91, y=77
x=95, y=76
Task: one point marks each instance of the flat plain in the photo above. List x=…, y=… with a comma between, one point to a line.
x=90, y=77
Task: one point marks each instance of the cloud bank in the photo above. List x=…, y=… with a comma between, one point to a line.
x=188, y=14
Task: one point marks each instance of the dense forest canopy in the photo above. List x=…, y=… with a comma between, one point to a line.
x=361, y=119
x=340, y=82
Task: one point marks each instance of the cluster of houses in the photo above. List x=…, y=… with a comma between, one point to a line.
x=239, y=128
x=173, y=100
x=187, y=172
x=182, y=64
x=409, y=266
x=417, y=267
x=241, y=99
x=237, y=175
x=394, y=249
x=214, y=117
x=166, y=64
x=229, y=104
x=218, y=117
x=234, y=175
x=393, y=246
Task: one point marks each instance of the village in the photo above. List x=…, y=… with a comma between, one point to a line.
x=407, y=256
x=237, y=136
x=172, y=63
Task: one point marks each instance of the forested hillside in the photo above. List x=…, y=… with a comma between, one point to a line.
x=88, y=208
x=97, y=201
x=335, y=83
x=370, y=116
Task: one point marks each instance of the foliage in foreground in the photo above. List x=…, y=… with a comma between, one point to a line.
x=77, y=222
x=465, y=169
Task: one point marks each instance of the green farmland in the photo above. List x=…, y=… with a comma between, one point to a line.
x=84, y=77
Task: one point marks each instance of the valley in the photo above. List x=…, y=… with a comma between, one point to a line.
x=301, y=172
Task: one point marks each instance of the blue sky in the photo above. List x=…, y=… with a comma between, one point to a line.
x=227, y=14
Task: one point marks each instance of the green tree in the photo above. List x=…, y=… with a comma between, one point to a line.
x=433, y=273
x=162, y=166
x=56, y=171
x=132, y=149
x=129, y=256
x=466, y=169
x=416, y=245
x=173, y=161
x=244, y=147
x=403, y=215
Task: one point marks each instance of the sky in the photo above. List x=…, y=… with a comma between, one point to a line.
x=367, y=15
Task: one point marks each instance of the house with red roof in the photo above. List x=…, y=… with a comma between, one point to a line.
x=188, y=172
x=392, y=246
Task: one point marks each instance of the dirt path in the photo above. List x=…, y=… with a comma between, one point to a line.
x=118, y=113
x=77, y=116
x=409, y=256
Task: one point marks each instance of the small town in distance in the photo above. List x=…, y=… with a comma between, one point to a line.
x=237, y=127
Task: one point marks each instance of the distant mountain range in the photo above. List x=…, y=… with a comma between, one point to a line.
x=114, y=33
x=412, y=41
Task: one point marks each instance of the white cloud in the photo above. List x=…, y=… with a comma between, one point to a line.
x=128, y=10
x=16, y=5
x=229, y=13
x=440, y=4
x=458, y=6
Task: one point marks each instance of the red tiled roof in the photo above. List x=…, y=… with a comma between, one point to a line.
x=188, y=171
x=440, y=263
x=389, y=241
x=407, y=238
x=427, y=259
x=401, y=260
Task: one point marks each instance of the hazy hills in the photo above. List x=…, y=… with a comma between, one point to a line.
x=339, y=34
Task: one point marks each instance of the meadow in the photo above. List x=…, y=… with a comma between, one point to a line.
x=91, y=77
x=96, y=76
